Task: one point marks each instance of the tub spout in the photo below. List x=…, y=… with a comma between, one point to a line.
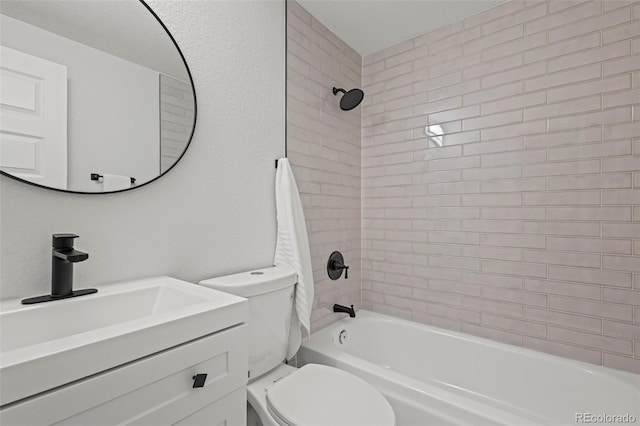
x=340, y=308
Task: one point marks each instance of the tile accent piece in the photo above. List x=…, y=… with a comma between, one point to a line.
x=616, y=50
x=597, y=341
x=563, y=288
x=585, y=26
x=562, y=349
x=559, y=19
x=594, y=87
x=593, y=308
x=585, y=323
x=604, y=278
x=517, y=216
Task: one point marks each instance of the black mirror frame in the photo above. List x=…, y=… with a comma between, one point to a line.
x=193, y=128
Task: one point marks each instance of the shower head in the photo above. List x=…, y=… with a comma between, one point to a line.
x=351, y=99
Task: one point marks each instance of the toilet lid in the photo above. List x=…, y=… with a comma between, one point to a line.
x=321, y=395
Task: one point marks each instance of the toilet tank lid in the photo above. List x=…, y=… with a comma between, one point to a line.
x=254, y=282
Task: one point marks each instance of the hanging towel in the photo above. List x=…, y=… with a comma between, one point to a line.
x=292, y=249
x=115, y=182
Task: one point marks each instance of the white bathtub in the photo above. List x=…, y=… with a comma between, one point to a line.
x=434, y=377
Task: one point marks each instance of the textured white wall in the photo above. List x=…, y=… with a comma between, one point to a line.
x=214, y=212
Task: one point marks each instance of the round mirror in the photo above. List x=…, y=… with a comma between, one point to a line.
x=95, y=95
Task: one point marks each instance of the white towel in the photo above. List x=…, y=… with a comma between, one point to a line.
x=292, y=249
x=115, y=182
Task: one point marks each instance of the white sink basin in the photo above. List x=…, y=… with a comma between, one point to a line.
x=46, y=345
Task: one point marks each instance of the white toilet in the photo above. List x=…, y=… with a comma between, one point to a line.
x=280, y=394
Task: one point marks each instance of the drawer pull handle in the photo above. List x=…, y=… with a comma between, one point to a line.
x=198, y=380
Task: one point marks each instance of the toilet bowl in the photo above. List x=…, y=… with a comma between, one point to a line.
x=283, y=395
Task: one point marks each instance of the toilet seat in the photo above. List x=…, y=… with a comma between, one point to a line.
x=321, y=395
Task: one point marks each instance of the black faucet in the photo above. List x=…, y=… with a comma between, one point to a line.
x=62, y=260
x=63, y=256
x=340, y=308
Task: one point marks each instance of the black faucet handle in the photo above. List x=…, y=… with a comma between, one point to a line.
x=341, y=266
x=70, y=255
x=63, y=240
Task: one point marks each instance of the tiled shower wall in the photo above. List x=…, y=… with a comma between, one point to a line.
x=524, y=226
x=176, y=119
x=324, y=151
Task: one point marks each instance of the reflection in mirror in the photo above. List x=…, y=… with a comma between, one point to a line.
x=90, y=87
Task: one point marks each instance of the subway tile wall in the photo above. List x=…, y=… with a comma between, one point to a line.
x=518, y=218
x=176, y=119
x=324, y=150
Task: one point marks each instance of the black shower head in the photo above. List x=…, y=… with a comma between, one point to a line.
x=351, y=99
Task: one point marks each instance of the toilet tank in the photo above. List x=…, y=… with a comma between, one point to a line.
x=270, y=294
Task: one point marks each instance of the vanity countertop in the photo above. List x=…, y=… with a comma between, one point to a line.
x=47, y=345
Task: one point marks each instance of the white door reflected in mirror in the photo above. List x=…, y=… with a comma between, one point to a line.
x=33, y=118
x=124, y=108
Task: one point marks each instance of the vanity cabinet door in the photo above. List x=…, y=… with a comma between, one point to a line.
x=228, y=411
x=155, y=390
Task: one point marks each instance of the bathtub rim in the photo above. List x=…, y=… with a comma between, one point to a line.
x=630, y=378
x=323, y=346
x=395, y=384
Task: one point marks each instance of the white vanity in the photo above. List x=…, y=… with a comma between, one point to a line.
x=129, y=354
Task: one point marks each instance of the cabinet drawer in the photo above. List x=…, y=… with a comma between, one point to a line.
x=161, y=383
x=228, y=411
